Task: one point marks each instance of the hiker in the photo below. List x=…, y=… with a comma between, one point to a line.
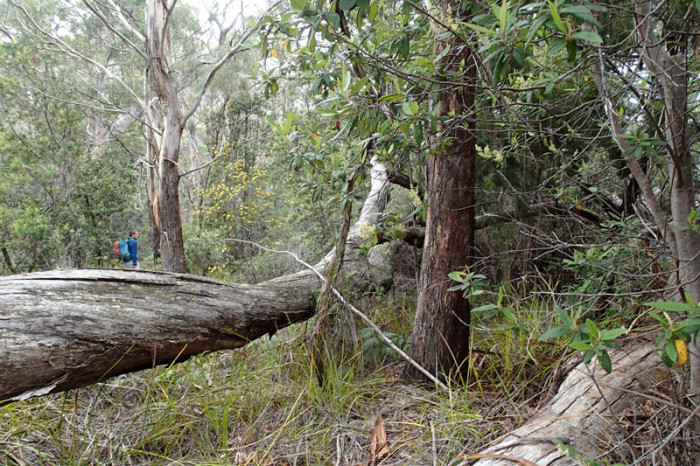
x=133, y=250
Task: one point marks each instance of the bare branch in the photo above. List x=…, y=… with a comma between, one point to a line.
x=660, y=216
x=125, y=22
x=107, y=23
x=68, y=50
x=239, y=47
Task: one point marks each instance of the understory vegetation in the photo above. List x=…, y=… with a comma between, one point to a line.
x=262, y=405
x=585, y=215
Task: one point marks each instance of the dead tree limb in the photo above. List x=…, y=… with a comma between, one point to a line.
x=66, y=329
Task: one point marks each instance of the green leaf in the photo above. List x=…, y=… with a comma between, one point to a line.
x=297, y=5
x=581, y=12
x=298, y=160
x=670, y=350
x=410, y=108
x=418, y=133
x=501, y=70
x=481, y=29
x=556, y=46
x=363, y=6
x=444, y=52
x=334, y=20
x=359, y=85
x=508, y=314
x=404, y=46
x=555, y=332
x=672, y=306
x=611, y=334
x=604, y=360
x=347, y=5
x=373, y=11
x=571, y=50
x=484, y=308
x=556, y=17
x=580, y=345
x=564, y=317
x=592, y=329
x=534, y=28
x=503, y=16
x=518, y=57
x=390, y=97
x=590, y=36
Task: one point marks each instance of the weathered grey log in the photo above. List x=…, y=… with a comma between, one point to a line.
x=66, y=329
x=585, y=412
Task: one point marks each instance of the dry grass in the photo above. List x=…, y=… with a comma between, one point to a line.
x=258, y=405
x=261, y=405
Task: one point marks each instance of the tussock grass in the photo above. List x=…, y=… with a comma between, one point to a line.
x=262, y=405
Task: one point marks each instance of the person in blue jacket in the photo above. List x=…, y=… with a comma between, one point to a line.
x=133, y=250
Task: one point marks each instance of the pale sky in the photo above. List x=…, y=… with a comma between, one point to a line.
x=250, y=6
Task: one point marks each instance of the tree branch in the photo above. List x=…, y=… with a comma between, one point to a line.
x=107, y=23
x=68, y=50
x=239, y=47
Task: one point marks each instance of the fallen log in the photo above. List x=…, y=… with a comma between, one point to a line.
x=69, y=328
x=585, y=414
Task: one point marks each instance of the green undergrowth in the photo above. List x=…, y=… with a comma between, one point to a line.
x=262, y=404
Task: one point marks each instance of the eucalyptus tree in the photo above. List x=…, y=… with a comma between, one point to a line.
x=162, y=102
x=399, y=81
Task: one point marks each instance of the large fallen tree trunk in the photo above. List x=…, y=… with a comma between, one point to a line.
x=587, y=414
x=66, y=329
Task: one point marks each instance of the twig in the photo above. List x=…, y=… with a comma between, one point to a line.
x=432, y=434
x=668, y=438
x=359, y=313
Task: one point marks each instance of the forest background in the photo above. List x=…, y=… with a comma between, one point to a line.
x=584, y=140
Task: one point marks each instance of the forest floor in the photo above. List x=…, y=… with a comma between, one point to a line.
x=263, y=405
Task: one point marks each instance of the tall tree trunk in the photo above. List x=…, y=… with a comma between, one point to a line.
x=672, y=75
x=683, y=241
x=168, y=221
x=440, y=340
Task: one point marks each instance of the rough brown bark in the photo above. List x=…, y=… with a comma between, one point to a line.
x=440, y=339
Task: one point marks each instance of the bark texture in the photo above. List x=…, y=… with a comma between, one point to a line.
x=166, y=205
x=585, y=413
x=671, y=72
x=440, y=339
x=69, y=328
